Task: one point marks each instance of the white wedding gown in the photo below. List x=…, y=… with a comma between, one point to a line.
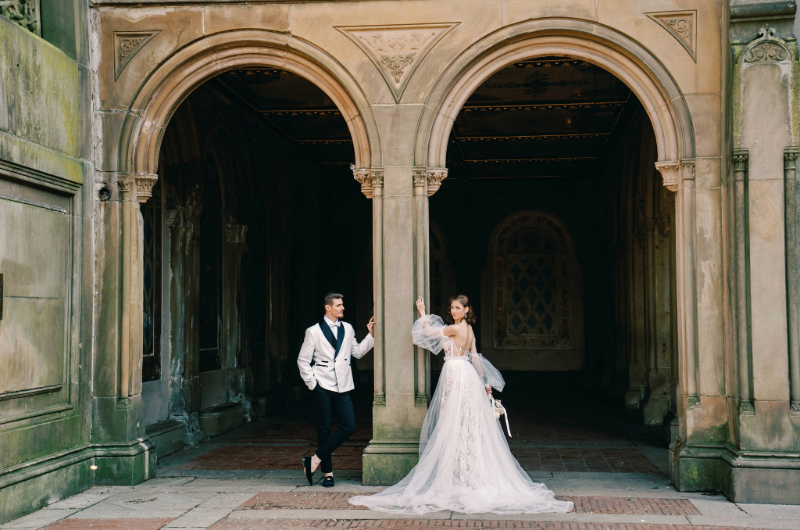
x=465, y=464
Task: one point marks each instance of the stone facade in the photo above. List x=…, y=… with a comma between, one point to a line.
x=161, y=228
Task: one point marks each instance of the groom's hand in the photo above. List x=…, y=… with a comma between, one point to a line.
x=371, y=326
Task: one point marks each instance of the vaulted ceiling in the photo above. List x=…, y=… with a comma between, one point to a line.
x=546, y=117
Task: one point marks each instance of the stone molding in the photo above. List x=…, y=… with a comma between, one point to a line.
x=746, y=408
x=687, y=169
x=767, y=48
x=420, y=400
x=126, y=45
x=379, y=399
x=680, y=24
x=144, y=187
x=164, y=88
x=692, y=401
x=397, y=51
x=236, y=233
x=669, y=174
x=627, y=59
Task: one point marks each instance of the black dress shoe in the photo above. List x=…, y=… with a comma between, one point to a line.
x=307, y=469
x=328, y=482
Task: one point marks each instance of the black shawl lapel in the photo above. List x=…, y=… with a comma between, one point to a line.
x=326, y=330
x=340, y=338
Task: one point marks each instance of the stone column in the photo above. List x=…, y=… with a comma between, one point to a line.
x=118, y=427
x=232, y=340
x=184, y=228
x=761, y=463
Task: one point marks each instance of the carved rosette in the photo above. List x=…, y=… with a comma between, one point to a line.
x=144, y=187
x=669, y=174
x=236, y=234
x=767, y=48
x=435, y=178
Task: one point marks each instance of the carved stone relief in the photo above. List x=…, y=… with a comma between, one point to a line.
x=767, y=48
x=669, y=173
x=680, y=24
x=397, y=50
x=126, y=45
x=24, y=13
x=144, y=187
x=435, y=178
x=369, y=179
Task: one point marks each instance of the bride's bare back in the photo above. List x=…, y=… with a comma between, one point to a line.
x=462, y=336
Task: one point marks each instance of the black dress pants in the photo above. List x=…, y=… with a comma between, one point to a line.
x=326, y=403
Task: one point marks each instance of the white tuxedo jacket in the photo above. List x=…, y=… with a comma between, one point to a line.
x=331, y=374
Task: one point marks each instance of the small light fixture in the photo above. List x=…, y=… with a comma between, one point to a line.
x=93, y=467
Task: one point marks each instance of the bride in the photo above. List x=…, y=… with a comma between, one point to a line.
x=465, y=464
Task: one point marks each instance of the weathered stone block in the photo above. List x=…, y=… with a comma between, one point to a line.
x=387, y=462
x=167, y=436
x=221, y=418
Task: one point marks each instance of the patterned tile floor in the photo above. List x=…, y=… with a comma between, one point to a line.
x=562, y=439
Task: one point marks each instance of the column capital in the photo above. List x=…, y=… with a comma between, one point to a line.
x=435, y=176
x=369, y=178
x=144, y=187
x=669, y=170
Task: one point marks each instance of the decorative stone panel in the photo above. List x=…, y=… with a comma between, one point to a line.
x=126, y=45
x=680, y=24
x=397, y=51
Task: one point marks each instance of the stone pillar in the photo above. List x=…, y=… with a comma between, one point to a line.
x=118, y=427
x=761, y=463
x=232, y=337
x=184, y=264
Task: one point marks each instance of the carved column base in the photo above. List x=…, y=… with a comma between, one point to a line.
x=387, y=462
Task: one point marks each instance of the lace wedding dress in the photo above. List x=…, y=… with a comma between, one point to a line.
x=465, y=464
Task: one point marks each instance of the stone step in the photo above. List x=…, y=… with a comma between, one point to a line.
x=221, y=418
x=167, y=435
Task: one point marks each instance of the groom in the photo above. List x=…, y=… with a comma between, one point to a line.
x=324, y=363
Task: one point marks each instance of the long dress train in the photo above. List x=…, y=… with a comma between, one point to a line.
x=465, y=464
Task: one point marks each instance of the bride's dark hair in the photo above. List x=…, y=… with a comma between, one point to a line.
x=463, y=300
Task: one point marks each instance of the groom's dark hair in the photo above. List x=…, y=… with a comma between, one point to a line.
x=330, y=297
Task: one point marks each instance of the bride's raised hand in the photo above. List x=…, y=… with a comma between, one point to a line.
x=421, y=306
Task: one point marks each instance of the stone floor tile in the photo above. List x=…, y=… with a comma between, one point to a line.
x=109, y=524
x=39, y=519
x=81, y=501
x=198, y=518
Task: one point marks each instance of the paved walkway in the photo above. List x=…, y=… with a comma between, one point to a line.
x=612, y=469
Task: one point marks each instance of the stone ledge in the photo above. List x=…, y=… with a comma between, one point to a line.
x=221, y=418
x=167, y=437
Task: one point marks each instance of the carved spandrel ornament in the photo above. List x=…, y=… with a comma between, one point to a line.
x=126, y=45
x=397, y=51
x=682, y=25
x=670, y=172
x=767, y=48
x=23, y=13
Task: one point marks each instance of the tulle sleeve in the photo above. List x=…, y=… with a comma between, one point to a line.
x=489, y=374
x=427, y=333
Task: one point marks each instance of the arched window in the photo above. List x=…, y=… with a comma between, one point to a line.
x=532, y=283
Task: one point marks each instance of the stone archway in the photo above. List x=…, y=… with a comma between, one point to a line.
x=664, y=105
x=149, y=114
